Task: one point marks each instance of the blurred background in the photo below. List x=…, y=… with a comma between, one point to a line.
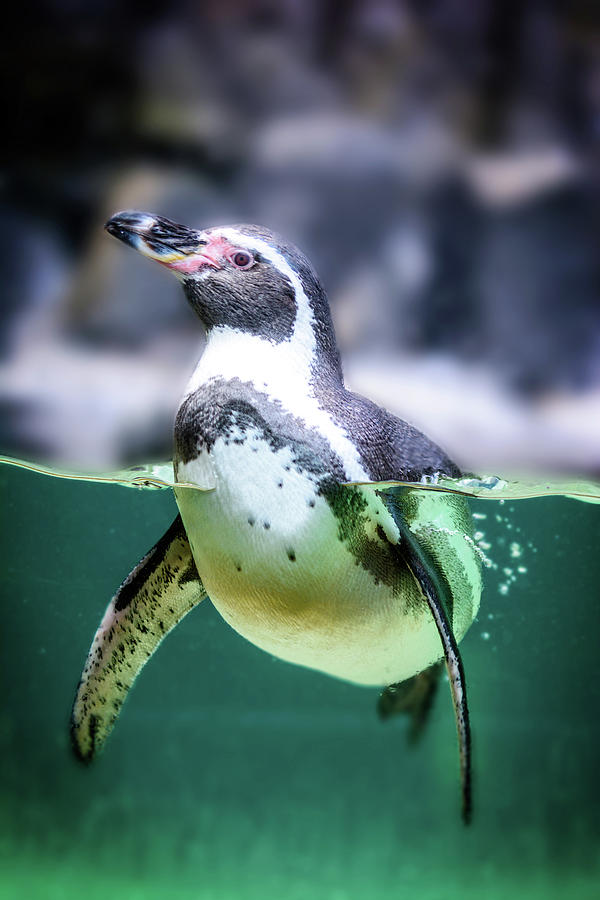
x=436, y=161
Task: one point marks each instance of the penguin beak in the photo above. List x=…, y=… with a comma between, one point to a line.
x=175, y=246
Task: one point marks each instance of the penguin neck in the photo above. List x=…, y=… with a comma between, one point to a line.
x=286, y=369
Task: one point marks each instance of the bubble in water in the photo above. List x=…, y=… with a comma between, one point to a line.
x=485, y=635
x=501, y=546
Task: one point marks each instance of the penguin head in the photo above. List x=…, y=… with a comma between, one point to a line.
x=243, y=277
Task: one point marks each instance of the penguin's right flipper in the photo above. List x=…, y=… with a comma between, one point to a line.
x=430, y=574
x=157, y=594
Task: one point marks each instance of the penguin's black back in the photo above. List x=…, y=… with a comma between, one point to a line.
x=389, y=448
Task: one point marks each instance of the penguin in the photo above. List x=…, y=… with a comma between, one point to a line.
x=289, y=535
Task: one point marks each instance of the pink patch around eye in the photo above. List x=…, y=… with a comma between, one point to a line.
x=213, y=255
x=191, y=264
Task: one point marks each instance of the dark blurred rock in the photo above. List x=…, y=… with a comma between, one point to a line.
x=34, y=264
x=539, y=285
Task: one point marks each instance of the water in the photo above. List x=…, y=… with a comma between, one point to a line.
x=233, y=775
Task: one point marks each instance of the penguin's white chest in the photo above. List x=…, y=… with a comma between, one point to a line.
x=277, y=562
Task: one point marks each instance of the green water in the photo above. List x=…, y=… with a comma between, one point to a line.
x=233, y=775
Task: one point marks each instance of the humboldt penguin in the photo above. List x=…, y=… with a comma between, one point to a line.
x=293, y=546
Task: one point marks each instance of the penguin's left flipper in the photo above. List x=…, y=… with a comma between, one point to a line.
x=157, y=594
x=429, y=573
x=413, y=698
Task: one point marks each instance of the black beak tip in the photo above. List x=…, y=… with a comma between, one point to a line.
x=124, y=225
x=112, y=228
x=120, y=232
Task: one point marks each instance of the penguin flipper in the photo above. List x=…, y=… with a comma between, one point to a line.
x=413, y=697
x=157, y=594
x=430, y=575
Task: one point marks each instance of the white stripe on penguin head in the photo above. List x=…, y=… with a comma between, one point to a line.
x=305, y=320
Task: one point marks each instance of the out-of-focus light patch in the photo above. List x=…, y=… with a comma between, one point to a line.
x=503, y=179
x=408, y=258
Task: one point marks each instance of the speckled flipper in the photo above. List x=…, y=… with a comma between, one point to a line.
x=413, y=697
x=430, y=574
x=162, y=588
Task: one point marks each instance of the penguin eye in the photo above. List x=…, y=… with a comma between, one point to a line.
x=242, y=259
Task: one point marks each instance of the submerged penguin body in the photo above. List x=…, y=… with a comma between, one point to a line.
x=343, y=578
